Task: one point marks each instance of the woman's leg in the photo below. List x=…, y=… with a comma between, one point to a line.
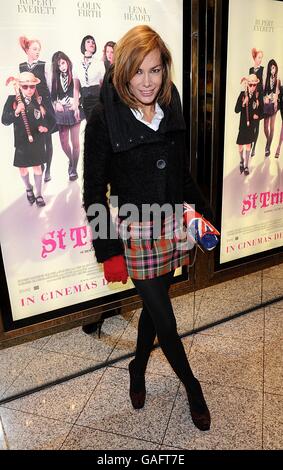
x=75, y=139
x=256, y=133
x=266, y=127
x=147, y=333
x=154, y=293
x=241, y=153
x=25, y=177
x=37, y=173
x=280, y=142
x=49, y=153
x=271, y=132
x=246, y=160
x=65, y=144
x=24, y=172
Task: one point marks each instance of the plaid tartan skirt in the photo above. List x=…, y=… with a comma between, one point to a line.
x=147, y=257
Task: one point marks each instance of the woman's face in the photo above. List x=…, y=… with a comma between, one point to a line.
x=109, y=54
x=273, y=69
x=33, y=51
x=146, y=83
x=63, y=66
x=28, y=90
x=90, y=47
x=258, y=59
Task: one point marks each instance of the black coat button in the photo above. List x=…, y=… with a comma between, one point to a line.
x=161, y=164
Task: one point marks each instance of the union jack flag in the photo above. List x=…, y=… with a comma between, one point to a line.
x=205, y=234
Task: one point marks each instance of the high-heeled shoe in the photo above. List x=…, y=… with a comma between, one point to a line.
x=93, y=327
x=137, y=387
x=198, y=407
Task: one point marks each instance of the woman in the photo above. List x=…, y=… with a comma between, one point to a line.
x=65, y=98
x=32, y=48
x=277, y=154
x=108, y=54
x=250, y=105
x=30, y=127
x=271, y=93
x=90, y=73
x=257, y=70
x=136, y=142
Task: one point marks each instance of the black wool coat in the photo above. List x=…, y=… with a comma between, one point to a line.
x=141, y=165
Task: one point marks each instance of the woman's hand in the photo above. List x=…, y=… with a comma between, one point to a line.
x=115, y=269
x=77, y=114
x=59, y=107
x=42, y=129
x=20, y=107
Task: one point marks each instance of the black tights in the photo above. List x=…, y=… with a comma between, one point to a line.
x=157, y=318
x=49, y=150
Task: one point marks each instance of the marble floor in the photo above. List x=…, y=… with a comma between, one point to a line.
x=239, y=364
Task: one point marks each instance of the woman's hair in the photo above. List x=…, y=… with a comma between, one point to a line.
x=25, y=42
x=268, y=73
x=108, y=44
x=130, y=52
x=57, y=56
x=255, y=52
x=83, y=43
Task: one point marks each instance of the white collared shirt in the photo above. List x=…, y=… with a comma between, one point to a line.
x=95, y=71
x=157, y=118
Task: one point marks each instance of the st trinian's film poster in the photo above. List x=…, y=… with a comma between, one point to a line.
x=47, y=252
x=252, y=209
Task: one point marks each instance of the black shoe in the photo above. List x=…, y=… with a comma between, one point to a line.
x=30, y=196
x=47, y=176
x=73, y=176
x=198, y=407
x=40, y=201
x=137, y=387
x=93, y=327
x=246, y=171
x=241, y=167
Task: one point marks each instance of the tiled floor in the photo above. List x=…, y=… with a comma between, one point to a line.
x=239, y=363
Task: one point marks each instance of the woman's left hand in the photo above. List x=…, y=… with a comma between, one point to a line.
x=42, y=129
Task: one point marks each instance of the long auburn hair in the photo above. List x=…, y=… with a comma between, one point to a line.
x=130, y=52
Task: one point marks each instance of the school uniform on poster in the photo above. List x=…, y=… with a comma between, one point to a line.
x=65, y=96
x=27, y=154
x=258, y=71
x=247, y=122
x=38, y=68
x=90, y=75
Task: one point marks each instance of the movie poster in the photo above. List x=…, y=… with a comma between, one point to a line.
x=252, y=208
x=45, y=240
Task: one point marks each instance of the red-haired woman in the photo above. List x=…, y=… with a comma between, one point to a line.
x=32, y=48
x=136, y=142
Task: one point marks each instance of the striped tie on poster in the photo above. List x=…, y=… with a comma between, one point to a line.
x=65, y=88
x=86, y=67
